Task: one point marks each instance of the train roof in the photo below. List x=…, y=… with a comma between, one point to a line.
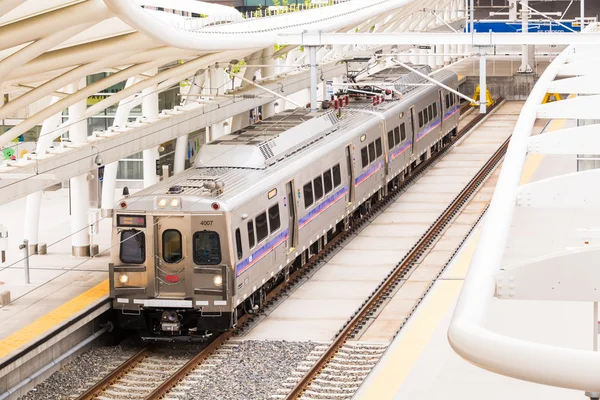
x=237, y=162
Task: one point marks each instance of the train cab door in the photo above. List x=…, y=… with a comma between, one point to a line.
x=169, y=259
x=412, y=129
x=292, y=216
x=350, y=168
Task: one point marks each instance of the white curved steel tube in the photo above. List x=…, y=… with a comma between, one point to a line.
x=534, y=362
x=263, y=30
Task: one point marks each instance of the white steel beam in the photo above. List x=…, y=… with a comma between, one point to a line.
x=428, y=38
x=69, y=162
x=580, y=140
x=583, y=107
x=582, y=67
x=562, y=191
x=589, y=84
x=571, y=275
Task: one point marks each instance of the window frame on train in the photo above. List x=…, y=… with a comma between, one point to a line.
x=308, y=195
x=274, y=220
x=238, y=244
x=163, y=244
x=318, y=193
x=327, y=179
x=364, y=157
x=251, y=234
x=337, y=175
x=259, y=239
x=138, y=237
x=195, y=256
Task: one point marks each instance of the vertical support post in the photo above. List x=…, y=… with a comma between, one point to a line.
x=472, y=13
x=165, y=172
x=512, y=10
x=595, y=326
x=150, y=111
x=312, y=54
x=25, y=247
x=79, y=186
x=582, y=14
x=482, y=82
x=525, y=68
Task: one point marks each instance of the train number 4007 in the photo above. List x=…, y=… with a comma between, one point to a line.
x=206, y=223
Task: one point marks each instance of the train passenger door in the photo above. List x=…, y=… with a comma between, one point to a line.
x=349, y=164
x=413, y=128
x=169, y=258
x=292, y=216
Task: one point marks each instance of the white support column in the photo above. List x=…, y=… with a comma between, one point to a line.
x=268, y=109
x=512, y=10
x=150, y=111
x=34, y=201
x=525, y=68
x=217, y=81
x=79, y=188
x=109, y=180
x=482, y=82
x=182, y=141
x=312, y=52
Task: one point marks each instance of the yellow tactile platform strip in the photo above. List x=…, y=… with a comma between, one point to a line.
x=400, y=362
x=55, y=317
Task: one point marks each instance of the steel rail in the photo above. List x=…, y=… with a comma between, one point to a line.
x=117, y=374
x=387, y=286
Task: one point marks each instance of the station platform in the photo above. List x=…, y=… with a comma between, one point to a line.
x=421, y=365
x=62, y=287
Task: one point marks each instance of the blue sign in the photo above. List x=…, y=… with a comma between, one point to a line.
x=534, y=26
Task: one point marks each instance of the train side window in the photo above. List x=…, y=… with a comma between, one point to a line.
x=207, y=247
x=391, y=143
x=430, y=108
x=420, y=119
x=318, y=184
x=262, y=230
x=251, y=237
x=133, y=247
x=447, y=102
x=337, y=176
x=434, y=110
x=378, y=147
x=308, y=195
x=327, y=183
x=172, y=246
x=371, y=152
x=238, y=243
x=274, y=221
x=397, y=135
x=364, y=156
x=403, y=132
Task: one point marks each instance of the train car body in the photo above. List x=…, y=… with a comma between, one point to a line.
x=195, y=251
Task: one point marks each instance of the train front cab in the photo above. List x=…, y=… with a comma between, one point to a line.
x=173, y=275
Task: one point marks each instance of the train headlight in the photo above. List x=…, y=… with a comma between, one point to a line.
x=162, y=203
x=218, y=280
x=175, y=203
x=123, y=279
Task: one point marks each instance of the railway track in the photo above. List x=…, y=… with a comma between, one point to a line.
x=136, y=378
x=318, y=382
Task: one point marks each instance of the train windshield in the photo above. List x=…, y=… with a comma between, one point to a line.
x=207, y=248
x=133, y=247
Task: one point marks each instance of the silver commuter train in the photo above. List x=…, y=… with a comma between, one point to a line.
x=193, y=253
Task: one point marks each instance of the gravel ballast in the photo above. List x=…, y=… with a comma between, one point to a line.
x=253, y=371
x=81, y=373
